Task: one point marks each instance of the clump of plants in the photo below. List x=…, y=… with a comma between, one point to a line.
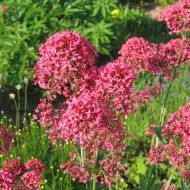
x=86, y=108
x=15, y=174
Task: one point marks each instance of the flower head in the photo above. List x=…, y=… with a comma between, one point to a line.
x=140, y=54
x=5, y=140
x=65, y=62
x=177, y=150
x=177, y=17
x=14, y=166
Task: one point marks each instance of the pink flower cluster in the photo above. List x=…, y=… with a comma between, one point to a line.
x=168, y=55
x=141, y=54
x=30, y=174
x=177, y=150
x=94, y=102
x=177, y=17
x=87, y=122
x=5, y=140
x=86, y=105
x=12, y=170
x=66, y=62
x=155, y=58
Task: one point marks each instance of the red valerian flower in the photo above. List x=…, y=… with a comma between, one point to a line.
x=5, y=140
x=14, y=166
x=140, y=54
x=168, y=55
x=116, y=85
x=7, y=180
x=32, y=180
x=177, y=17
x=177, y=150
x=66, y=61
x=35, y=164
x=30, y=173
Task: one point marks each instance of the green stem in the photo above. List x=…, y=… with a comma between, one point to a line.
x=18, y=110
x=25, y=100
x=94, y=182
x=16, y=107
x=169, y=181
x=162, y=114
x=94, y=175
x=82, y=155
x=117, y=187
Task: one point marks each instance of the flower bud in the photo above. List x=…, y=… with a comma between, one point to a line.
x=12, y=96
x=25, y=80
x=18, y=86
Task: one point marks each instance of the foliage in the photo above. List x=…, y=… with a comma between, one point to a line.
x=165, y=3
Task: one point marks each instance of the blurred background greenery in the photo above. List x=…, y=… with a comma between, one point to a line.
x=107, y=23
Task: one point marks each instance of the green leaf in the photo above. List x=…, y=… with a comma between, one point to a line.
x=104, y=51
x=103, y=11
x=183, y=186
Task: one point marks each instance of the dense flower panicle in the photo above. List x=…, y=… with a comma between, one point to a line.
x=14, y=166
x=35, y=164
x=177, y=17
x=177, y=150
x=140, y=54
x=112, y=168
x=66, y=61
x=30, y=173
x=167, y=56
x=89, y=123
x=7, y=180
x=32, y=180
x=76, y=170
x=5, y=140
x=156, y=155
x=116, y=85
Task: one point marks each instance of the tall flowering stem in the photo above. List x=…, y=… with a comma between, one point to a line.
x=177, y=150
x=162, y=114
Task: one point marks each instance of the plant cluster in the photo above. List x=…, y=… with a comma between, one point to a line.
x=95, y=100
x=86, y=109
x=15, y=174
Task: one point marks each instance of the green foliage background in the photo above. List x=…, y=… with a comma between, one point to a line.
x=27, y=24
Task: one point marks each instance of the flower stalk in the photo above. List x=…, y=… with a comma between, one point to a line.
x=163, y=110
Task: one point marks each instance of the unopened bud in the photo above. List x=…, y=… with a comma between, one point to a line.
x=25, y=80
x=12, y=96
x=18, y=86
